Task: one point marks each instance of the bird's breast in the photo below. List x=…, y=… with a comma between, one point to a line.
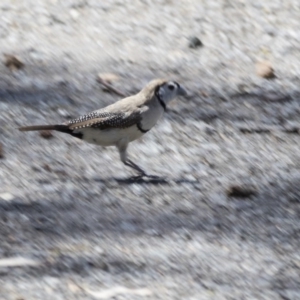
x=150, y=117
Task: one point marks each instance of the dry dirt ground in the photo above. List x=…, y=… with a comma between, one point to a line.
x=223, y=223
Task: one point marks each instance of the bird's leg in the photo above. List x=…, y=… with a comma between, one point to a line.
x=127, y=162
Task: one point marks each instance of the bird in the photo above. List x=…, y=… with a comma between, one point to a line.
x=122, y=122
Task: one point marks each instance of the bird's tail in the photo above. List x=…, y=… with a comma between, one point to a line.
x=38, y=127
x=59, y=127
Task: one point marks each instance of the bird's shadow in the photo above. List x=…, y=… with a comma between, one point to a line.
x=150, y=179
x=143, y=180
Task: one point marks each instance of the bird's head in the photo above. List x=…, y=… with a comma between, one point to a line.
x=164, y=90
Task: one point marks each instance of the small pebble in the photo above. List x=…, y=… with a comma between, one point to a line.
x=12, y=62
x=194, y=42
x=17, y=262
x=74, y=14
x=46, y=134
x=264, y=69
x=7, y=196
x=47, y=168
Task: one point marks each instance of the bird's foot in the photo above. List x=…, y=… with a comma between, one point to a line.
x=140, y=176
x=136, y=178
x=147, y=178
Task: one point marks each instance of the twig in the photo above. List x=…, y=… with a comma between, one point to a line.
x=110, y=87
x=291, y=130
x=254, y=130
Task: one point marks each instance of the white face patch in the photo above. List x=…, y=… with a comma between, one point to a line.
x=168, y=91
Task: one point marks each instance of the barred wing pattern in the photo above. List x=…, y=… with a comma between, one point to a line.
x=105, y=120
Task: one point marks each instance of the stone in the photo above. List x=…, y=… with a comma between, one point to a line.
x=46, y=134
x=12, y=62
x=195, y=42
x=264, y=69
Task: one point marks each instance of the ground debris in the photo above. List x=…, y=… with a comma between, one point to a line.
x=46, y=134
x=264, y=69
x=7, y=196
x=260, y=129
x=1, y=151
x=106, y=80
x=195, y=42
x=108, y=77
x=12, y=62
x=256, y=129
x=47, y=168
x=241, y=191
x=17, y=262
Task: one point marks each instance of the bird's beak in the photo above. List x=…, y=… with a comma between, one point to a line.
x=182, y=91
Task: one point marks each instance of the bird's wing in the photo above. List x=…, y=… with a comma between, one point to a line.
x=105, y=120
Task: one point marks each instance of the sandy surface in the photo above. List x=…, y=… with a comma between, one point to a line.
x=224, y=221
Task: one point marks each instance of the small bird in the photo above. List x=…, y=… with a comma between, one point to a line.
x=123, y=121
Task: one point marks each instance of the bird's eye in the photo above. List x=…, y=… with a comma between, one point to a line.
x=171, y=87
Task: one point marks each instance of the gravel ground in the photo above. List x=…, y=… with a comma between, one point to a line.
x=224, y=221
